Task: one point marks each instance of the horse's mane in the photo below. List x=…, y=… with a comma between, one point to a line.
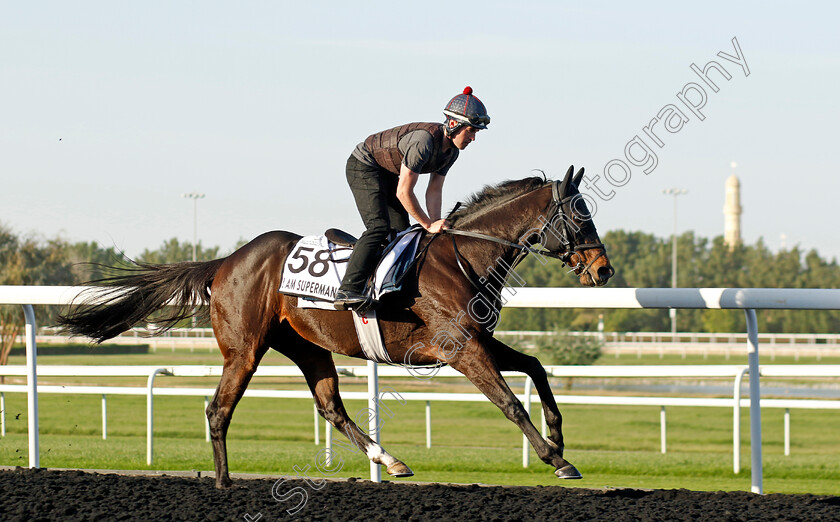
x=492, y=196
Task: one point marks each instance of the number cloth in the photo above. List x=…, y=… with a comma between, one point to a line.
x=314, y=268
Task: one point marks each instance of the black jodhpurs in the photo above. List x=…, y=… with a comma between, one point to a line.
x=375, y=192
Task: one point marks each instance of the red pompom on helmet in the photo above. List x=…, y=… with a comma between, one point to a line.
x=466, y=109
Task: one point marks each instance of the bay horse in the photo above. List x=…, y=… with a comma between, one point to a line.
x=456, y=280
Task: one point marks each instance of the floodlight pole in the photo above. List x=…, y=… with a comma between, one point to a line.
x=195, y=196
x=673, y=311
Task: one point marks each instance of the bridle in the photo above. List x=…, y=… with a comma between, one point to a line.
x=563, y=241
x=560, y=242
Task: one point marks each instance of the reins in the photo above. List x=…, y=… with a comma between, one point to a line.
x=569, y=248
x=563, y=238
x=505, y=242
x=524, y=251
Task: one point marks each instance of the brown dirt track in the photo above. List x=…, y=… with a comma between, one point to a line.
x=34, y=495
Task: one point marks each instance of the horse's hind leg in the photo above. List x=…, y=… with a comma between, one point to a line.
x=509, y=359
x=239, y=367
x=318, y=368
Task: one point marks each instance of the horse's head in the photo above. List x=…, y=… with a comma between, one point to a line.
x=569, y=233
x=521, y=213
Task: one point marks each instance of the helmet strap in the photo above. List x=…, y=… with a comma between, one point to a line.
x=451, y=129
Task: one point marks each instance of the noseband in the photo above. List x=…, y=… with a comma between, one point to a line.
x=559, y=242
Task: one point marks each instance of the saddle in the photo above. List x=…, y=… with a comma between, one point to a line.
x=340, y=237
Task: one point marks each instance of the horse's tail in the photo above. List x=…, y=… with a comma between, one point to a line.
x=139, y=290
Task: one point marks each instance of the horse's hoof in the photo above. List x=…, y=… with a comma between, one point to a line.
x=568, y=472
x=398, y=469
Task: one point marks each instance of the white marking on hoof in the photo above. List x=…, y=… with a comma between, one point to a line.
x=377, y=454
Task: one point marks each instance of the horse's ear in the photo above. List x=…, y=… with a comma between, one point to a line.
x=569, y=173
x=567, y=179
x=578, y=177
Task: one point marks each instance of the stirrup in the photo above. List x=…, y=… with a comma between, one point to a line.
x=344, y=304
x=366, y=306
x=366, y=303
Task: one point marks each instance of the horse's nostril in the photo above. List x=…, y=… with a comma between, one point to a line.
x=605, y=272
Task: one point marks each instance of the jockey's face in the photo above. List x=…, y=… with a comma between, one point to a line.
x=464, y=137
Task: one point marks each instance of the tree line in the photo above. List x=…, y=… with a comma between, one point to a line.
x=30, y=260
x=642, y=260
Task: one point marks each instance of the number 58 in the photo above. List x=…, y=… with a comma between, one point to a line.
x=322, y=259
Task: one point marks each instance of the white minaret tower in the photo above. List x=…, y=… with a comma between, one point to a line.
x=732, y=210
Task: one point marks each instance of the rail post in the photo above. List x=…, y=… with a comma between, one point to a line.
x=317, y=418
x=543, y=425
x=787, y=432
x=525, y=447
x=150, y=413
x=373, y=423
x=32, y=386
x=104, y=418
x=328, y=444
x=206, y=420
x=428, y=424
x=736, y=422
x=755, y=401
x=662, y=430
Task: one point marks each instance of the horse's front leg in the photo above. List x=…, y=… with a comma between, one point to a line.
x=509, y=359
x=477, y=364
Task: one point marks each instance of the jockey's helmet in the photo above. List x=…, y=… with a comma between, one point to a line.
x=466, y=109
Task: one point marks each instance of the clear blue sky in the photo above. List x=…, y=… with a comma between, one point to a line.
x=109, y=111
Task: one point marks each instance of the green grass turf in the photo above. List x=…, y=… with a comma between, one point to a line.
x=472, y=442
x=203, y=356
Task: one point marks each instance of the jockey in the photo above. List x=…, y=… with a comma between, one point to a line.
x=382, y=173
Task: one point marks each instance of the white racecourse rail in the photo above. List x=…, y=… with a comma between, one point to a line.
x=747, y=299
x=151, y=372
